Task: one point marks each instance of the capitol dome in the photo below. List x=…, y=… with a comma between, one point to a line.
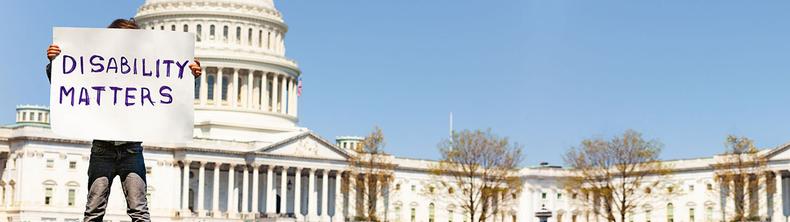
x=240, y=44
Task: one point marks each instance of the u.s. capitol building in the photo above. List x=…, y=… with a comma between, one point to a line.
x=250, y=160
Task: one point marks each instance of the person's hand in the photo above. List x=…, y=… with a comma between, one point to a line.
x=53, y=51
x=195, y=67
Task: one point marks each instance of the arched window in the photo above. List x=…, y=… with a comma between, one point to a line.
x=260, y=37
x=413, y=214
x=197, y=88
x=691, y=214
x=186, y=28
x=431, y=212
x=709, y=214
x=211, y=32
x=238, y=35
x=450, y=215
x=210, y=79
x=225, y=85
x=670, y=212
x=225, y=33
x=173, y=28
x=49, y=191
x=648, y=215
x=199, y=30
x=249, y=37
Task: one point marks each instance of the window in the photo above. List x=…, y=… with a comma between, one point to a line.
x=211, y=32
x=670, y=189
x=199, y=30
x=670, y=213
x=249, y=37
x=413, y=214
x=269, y=40
x=210, y=79
x=72, y=194
x=710, y=186
x=173, y=28
x=238, y=35
x=450, y=190
x=648, y=190
x=691, y=187
x=647, y=215
x=186, y=28
x=449, y=215
x=573, y=196
x=225, y=33
x=225, y=85
x=709, y=214
x=691, y=214
x=48, y=195
x=148, y=170
x=260, y=37
x=39, y=117
x=162, y=27
x=397, y=212
x=197, y=88
x=50, y=163
x=397, y=186
x=431, y=212
x=543, y=195
x=430, y=189
x=24, y=116
x=72, y=165
x=559, y=196
x=413, y=187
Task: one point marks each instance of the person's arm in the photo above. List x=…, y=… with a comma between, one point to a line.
x=52, y=52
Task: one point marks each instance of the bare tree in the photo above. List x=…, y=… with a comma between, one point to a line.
x=739, y=171
x=371, y=171
x=614, y=176
x=480, y=171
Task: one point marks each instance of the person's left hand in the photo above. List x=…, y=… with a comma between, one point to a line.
x=195, y=67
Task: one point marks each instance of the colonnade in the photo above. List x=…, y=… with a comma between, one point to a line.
x=248, y=89
x=276, y=193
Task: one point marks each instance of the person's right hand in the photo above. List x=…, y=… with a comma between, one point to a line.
x=53, y=51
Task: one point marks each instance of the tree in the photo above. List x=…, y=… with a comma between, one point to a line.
x=614, y=176
x=739, y=171
x=371, y=171
x=480, y=172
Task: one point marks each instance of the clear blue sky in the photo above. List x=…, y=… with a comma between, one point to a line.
x=544, y=73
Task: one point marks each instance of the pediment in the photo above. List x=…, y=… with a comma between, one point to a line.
x=307, y=145
x=781, y=152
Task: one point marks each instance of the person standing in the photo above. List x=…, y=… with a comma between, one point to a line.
x=116, y=158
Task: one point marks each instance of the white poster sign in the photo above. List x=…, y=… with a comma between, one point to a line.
x=123, y=85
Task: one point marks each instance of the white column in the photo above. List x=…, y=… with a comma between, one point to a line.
x=284, y=190
x=215, y=190
x=365, y=195
x=245, y=193
x=294, y=89
x=218, y=88
x=338, y=217
x=270, y=191
x=250, y=88
x=265, y=91
x=275, y=92
x=282, y=95
x=298, y=193
x=185, y=187
x=201, y=188
x=312, y=213
x=234, y=97
x=287, y=95
x=255, y=189
x=352, y=194
x=778, y=204
x=203, y=87
x=325, y=195
x=232, y=209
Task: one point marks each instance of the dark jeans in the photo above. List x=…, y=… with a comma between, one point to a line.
x=107, y=161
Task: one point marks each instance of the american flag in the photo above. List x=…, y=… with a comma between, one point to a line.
x=299, y=89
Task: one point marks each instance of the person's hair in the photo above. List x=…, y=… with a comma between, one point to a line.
x=123, y=24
